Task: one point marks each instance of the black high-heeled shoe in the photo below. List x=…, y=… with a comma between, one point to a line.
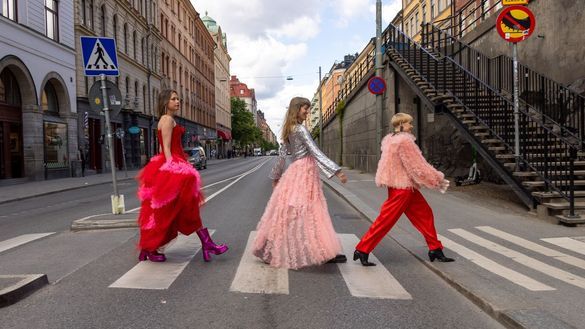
x=338, y=259
x=438, y=255
x=363, y=257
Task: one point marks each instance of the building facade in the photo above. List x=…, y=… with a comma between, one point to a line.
x=223, y=112
x=248, y=95
x=187, y=62
x=332, y=84
x=135, y=28
x=418, y=12
x=38, y=113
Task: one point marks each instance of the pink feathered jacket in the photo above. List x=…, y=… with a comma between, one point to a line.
x=403, y=166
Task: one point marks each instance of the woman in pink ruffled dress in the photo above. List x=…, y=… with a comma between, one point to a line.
x=170, y=191
x=296, y=230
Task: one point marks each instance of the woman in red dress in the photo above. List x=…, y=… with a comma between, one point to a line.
x=170, y=190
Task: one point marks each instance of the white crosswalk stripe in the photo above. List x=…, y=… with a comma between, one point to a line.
x=21, y=239
x=253, y=276
x=574, y=261
x=568, y=243
x=160, y=276
x=368, y=282
x=518, y=257
x=494, y=267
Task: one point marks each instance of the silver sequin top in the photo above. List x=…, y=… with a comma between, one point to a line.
x=301, y=144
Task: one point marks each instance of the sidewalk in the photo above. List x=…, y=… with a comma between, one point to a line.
x=33, y=189
x=484, y=204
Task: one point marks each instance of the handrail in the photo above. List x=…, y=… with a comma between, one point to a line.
x=537, y=92
x=457, y=19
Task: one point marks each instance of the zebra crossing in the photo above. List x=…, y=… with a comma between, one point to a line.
x=560, y=261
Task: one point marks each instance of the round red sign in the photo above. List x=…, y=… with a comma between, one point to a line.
x=376, y=85
x=515, y=23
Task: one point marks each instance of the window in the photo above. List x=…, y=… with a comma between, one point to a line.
x=52, y=19
x=103, y=19
x=49, y=102
x=126, y=38
x=9, y=92
x=433, y=14
x=89, y=21
x=82, y=9
x=115, y=26
x=56, y=149
x=8, y=9
x=127, y=87
x=142, y=49
x=134, y=43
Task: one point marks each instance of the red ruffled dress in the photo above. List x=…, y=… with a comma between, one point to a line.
x=171, y=196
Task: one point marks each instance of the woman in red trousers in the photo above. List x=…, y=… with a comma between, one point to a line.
x=170, y=191
x=403, y=170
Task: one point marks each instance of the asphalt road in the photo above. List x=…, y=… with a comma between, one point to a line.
x=81, y=267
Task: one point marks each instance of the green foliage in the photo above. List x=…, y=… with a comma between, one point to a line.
x=244, y=130
x=340, y=109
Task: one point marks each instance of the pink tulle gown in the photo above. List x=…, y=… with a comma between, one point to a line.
x=295, y=230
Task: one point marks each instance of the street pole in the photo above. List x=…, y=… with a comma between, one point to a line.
x=320, y=112
x=379, y=73
x=516, y=106
x=117, y=199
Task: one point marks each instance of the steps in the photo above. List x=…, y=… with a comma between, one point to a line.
x=485, y=118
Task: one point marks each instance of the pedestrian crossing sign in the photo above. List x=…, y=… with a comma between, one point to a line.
x=99, y=56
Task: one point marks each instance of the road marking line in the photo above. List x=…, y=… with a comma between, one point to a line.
x=491, y=266
x=523, y=259
x=254, y=276
x=577, y=262
x=568, y=243
x=21, y=239
x=160, y=276
x=368, y=282
x=240, y=176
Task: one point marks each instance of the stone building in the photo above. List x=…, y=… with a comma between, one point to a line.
x=135, y=28
x=38, y=113
x=223, y=112
x=188, y=67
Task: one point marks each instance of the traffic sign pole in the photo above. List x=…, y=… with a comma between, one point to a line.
x=117, y=199
x=516, y=106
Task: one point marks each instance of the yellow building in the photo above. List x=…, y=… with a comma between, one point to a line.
x=418, y=12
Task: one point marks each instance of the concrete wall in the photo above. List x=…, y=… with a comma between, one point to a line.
x=439, y=140
x=558, y=54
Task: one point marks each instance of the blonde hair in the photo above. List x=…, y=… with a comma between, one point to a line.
x=400, y=118
x=290, y=120
x=163, y=99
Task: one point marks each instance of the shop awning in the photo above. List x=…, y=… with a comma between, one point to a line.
x=225, y=135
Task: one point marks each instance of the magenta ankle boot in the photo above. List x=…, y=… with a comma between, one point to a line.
x=153, y=256
x=208, y=246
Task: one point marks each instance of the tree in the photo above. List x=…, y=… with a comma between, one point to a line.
x=244, y=131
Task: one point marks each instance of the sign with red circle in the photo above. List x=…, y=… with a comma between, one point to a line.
x=376, y=85
x=515, y=23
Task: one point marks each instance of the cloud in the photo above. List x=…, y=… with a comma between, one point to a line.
x=389, y=11
x=264, y=37
x=302, y=28
x=348, y=9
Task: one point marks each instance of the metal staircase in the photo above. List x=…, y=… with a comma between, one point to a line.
x=548, y=162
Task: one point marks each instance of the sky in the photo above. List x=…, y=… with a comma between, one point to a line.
x=269, y=40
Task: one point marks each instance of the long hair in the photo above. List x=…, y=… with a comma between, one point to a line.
x=290, y=120
x=163, y=100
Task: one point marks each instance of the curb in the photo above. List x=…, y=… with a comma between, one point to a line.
x=509, y=318
x=23, y=288
x=89, y=223
x=60, y=190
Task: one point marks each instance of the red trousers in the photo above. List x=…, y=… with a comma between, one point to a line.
x=407, y=201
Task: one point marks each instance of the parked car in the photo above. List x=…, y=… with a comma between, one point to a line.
x=273, y=152
x=196, y=157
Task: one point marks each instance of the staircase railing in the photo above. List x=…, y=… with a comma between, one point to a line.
x=563, y=108
x=468, y=17
x=539, y=146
